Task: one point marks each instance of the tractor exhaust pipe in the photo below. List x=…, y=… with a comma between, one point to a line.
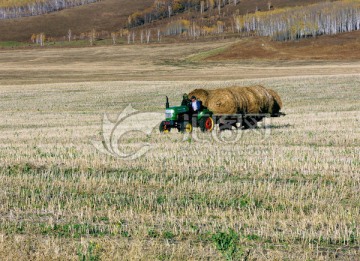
x=167, y=105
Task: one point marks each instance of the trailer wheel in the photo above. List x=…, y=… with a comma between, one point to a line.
x=227, y=122
x=206, y=124
x=250, y=123
x=224, y=127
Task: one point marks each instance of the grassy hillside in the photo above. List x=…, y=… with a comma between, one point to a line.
x=111, y=15
x=104, y=15
x=8, y=3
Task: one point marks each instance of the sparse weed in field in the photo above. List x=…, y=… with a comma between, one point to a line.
x=168, y=235
x=228, y=244
x=153, y=233
x=91, y=252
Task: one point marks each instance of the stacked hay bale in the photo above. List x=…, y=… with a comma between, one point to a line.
x=201, y=95
x=249, y=99
x=222, y=101
x=276, y=104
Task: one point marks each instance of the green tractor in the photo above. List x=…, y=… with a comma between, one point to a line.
x=184, y=119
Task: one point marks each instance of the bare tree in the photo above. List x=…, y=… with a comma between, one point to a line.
x=113, y=37
x=220, y=27
x=211, y=4
x=69, y=35
x=202, y=7
x=290, y=24
x=92, y=36
x=39, y=7
x=41, y=39
x=37, y=40
x=133, y=35
x=159, y=35
x=170, y=10
x=148, y=34
x=33, y=38
x=238, y=23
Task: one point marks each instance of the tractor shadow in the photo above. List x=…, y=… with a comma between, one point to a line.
x=280, y=126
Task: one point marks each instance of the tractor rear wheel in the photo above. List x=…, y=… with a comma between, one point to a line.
x=206, y=124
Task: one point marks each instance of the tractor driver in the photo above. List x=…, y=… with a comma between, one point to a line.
x=195, y=107
x=195, y=104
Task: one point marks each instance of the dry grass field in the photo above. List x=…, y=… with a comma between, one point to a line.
x=291, y=194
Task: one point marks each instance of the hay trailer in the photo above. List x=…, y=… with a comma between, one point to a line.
x=241, y=120
x=181, y=119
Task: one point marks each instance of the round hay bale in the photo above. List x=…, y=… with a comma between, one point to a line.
x=241, y=96
x=201, y=95
x=261, y=99
x=248, y=99
x=222, y=101
x=253, y=101
x=277, y=103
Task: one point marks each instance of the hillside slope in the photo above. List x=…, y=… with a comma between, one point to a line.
x=104, y=15
x=111, y=15
x=340, y=47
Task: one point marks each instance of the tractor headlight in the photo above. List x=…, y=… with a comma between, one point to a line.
x=169, y=113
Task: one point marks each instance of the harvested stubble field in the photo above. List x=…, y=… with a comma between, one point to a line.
x=290, y=194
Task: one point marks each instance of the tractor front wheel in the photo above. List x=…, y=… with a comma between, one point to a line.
x=185, y=127
x=163, y=128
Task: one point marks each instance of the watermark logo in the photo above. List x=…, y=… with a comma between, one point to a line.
x=119, y=135
x=129, y=121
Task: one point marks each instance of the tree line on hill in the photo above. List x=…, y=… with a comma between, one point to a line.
x=279, y=24
x=299, y=22
x=167, y=8
x=40, y=7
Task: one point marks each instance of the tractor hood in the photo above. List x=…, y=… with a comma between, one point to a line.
x=178, y=109
x=172, y=113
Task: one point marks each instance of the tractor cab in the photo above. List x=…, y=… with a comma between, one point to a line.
x=184, y=119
